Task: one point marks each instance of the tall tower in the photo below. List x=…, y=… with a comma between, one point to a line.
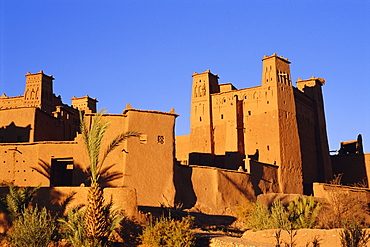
x=276, y=69
x=313, y=89
x=201, y=126
x=39, y=91
x=283, y=127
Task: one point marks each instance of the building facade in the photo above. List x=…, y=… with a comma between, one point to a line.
x=242, y=142
x=40, y=144
x=275, y=124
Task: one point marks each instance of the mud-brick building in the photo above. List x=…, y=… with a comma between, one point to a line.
x=40, y=115
x=242, y=142
x=39, y=144
x=272, y=127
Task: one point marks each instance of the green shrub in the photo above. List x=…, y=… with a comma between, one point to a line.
x=243, y=210
x=262, y=218
x=17, y=199
x=353, y=235
x=73, y=228
x=303, y=212
x=33, y=228
x=258, y=219
x=169, y=232
x=279, y=216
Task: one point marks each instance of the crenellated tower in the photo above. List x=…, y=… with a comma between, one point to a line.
x=39, y=91
x=201, y=132
x=282, y=122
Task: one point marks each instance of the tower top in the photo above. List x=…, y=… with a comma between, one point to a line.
x=41, y=72
x=276, y=56
x=208, y=71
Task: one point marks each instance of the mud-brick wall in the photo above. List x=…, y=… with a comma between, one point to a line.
x=328, y=191
x=218, y=191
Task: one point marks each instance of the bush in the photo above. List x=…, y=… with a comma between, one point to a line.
x=73, y=228
x=243, y=210
x=262, y=218
x=17, y=200
x=169, y=232
x=33, y=228
x=301, y=213
x=129, y=231
x=343, y=207
x=353, y=235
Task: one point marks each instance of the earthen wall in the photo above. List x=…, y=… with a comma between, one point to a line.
x=149, y=164
x=218, y=190
x=17, y=125
x=353, y=167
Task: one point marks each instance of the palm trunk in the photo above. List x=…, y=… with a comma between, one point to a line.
x=95, y=218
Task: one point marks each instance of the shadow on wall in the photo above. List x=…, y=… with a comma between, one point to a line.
x=244, y=190
x=64, y=172
x=351, y=163
x=13, y=133
x=351, y=167
x=185, y=194
x=231, y=160
x=264, y=177
x=54, y=200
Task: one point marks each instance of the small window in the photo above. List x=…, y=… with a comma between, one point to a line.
x=160, y=139
x=200, y=119
x=249, y=113
x=143, y=139
x=222, y=116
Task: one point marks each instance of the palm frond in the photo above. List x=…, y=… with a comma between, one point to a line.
x=92, y=137
x=19, y=198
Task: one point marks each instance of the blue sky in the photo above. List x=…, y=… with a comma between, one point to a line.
x=144, y=52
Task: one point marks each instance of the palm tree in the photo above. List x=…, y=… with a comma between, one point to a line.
x=97, y=217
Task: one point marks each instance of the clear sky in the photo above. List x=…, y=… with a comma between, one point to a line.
x=144, y=52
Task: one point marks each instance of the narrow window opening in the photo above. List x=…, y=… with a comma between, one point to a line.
x=249, y=113
x=160, y=139
x=222, y=116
